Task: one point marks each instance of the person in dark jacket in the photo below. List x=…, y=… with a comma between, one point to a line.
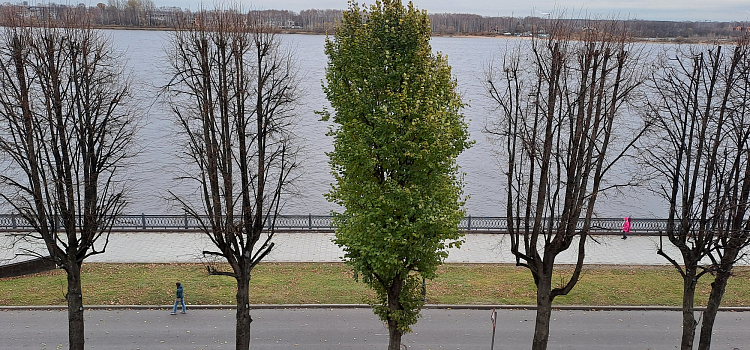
x=180, y=298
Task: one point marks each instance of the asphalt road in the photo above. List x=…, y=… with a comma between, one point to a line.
x=319, y=329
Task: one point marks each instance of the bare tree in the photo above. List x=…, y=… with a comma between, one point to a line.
x=700, y=150
x=233, y=92
x=66, y=128
x=559, y=101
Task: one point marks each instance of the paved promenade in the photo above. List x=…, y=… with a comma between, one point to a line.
x=155, y=247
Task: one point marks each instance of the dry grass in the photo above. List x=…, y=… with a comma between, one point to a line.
x=324, y=283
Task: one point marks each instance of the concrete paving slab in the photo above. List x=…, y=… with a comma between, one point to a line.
x=187, y=247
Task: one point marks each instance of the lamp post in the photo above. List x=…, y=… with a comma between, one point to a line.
x=493, y=317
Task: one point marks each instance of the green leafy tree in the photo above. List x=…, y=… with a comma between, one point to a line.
x=397, y=134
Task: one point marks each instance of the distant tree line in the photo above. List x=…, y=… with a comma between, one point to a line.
x=470, y=24
x=145, y=14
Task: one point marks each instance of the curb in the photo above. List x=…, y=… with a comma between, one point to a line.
x=365, y=306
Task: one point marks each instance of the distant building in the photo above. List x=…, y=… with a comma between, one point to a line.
x=289, y=24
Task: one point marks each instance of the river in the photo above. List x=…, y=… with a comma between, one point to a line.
x=156, y=169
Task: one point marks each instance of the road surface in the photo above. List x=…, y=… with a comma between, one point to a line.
x=324, y=329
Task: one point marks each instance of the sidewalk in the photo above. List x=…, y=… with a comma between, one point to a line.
x=153, y=247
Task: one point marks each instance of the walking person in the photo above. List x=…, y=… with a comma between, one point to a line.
x=179, y=298
x=625, y=228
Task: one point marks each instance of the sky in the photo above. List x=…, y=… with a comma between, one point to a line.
x=669, y=10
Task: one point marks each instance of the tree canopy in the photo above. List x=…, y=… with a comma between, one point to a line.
x=68, y=122
x=234, y=92
x=398, y=132
x=562, y=125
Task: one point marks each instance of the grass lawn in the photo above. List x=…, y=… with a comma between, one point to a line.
x=324, y=283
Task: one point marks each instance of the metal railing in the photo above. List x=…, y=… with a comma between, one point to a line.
x=489, y=224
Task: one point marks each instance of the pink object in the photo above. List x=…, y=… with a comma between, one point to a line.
x=626, y=225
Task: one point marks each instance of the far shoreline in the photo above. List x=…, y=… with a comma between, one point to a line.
x=677, y=40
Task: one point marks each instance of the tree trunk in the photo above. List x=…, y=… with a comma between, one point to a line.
x=718, y=287
x=688, y=304
x=394, y=304
x=243, y=314
x=543, y=312
x=394, y=336
x=76, y=336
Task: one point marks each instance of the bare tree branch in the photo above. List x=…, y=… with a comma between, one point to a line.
x=699, y=145
x=559, y=102
x=233, y=92
x=67, y=123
